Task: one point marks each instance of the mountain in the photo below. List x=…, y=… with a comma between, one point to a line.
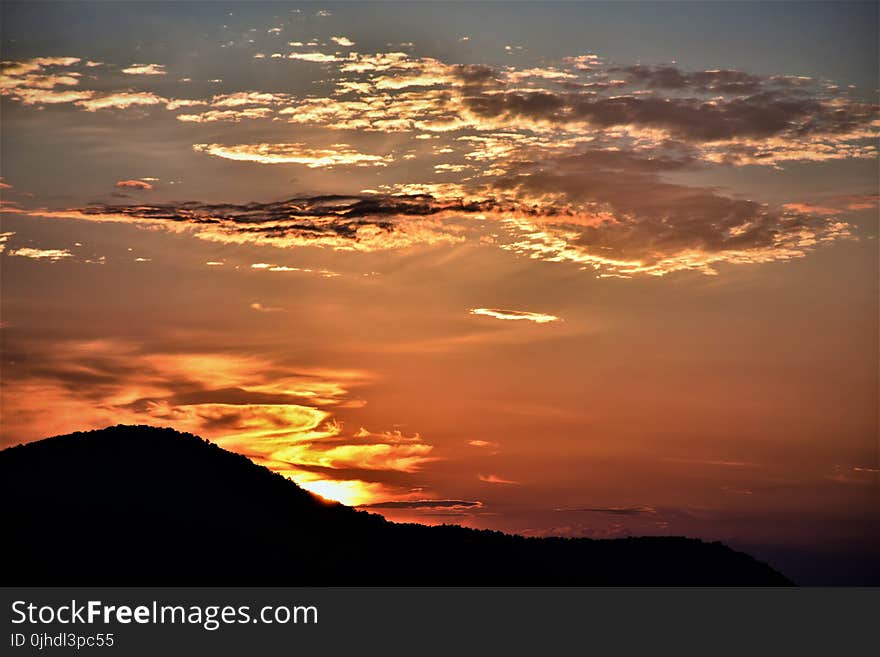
x=136, y=505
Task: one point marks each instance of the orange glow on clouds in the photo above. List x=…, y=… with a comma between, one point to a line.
x=338, y=154
x=515, y=315
x=338, y=239
x=292, y=437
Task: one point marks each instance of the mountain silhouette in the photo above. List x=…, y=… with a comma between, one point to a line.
x=137, y=505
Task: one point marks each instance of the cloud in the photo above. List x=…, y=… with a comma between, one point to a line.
x=859, y=201
x=424, y=504
x=40, y=254
x=389, y=457
x=342, y=41
x=712, y=81
x=316, y=57
x=348, y=223
x=177, y=103
x=515, y=76
x=604, y=211
x=33, y=73
x=260, y=308
x=122, y=100
x=482, y=443
x=764, y=114
x=49, y=97
x=234, y=116
x=616, y=510
x=854, y=475
x=33, y=81
x=748, y=119
x=4, y=238
x=241, y=98
x=497, y=313
x=145, y=69
x=40, y=81
x=837, y=205
x=325, y=273
x=135, y=184
x=495, y=479
x=626, y=220
x=724, y=116
x=337, y=155
x=573, y=158
x=275, y=413
x=716, y=462
x=23, y=67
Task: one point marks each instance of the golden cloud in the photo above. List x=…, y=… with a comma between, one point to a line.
x=122, y=100
x=41, y=254
x=135, y=184
x=337, y=155
x=211, y=394
x=495, y=479
x=145, y=69
x=515, y=315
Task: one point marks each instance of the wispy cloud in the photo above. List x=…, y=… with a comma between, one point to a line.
x=612, y=232
x=498, y=313
x=425, y=504
x=483, y=443
x=40, y=254
x=265, y=266
x=337, y=155
x=260, y=308
x=278, y=415
x=615, y=510
x=356, y=223
x=4, y=238
x=212, y=116
x=122, y=100
x=145, y=69
x=316, y=57
x=551, y=151
x=135, y=184
x=495, y=479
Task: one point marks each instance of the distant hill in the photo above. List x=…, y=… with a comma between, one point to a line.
x=136, y=505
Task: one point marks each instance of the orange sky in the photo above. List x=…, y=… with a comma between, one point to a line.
x=465, y=278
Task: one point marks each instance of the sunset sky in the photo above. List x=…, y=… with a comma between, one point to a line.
x=578, y=269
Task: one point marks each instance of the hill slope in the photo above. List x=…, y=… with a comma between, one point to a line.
x=139, y=505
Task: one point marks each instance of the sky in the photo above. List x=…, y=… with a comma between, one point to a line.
x=575, y=269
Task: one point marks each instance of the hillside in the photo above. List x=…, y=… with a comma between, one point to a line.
x=135, y=505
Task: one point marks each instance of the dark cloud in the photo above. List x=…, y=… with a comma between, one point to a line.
x=475, y=74
x=344, y=210
x=602, y=208
x=617, y=510
x=629, y=212
x=366, y=222
x=761, y=115
x=425, y=504
x=671, y=77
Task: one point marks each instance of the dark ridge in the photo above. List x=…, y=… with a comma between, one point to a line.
x=137, y=505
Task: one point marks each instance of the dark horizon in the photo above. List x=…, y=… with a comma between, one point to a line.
x=241, y=524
